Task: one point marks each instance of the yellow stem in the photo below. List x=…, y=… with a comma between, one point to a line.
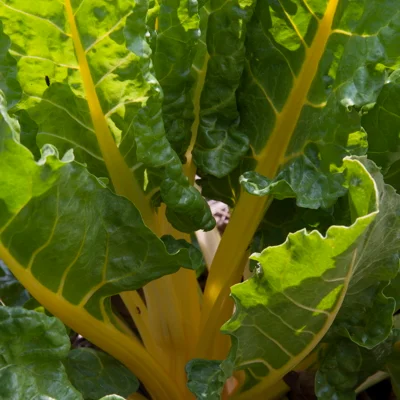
x=174, y=311
x=227, y=269
x=138, y=311
x=190, y=167
x=187, y=291
x=124, y=348
x=208, y=242
x=166, y=323
x=121, y=176
x=228, y=265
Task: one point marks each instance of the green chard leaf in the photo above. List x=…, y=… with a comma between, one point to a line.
x=12, y=293
x=110, y=79
x=284, y=217
x=309, y=70
x=205, y=379
x=366, y=313
x=393, y=290
x=382, y=123
x=301, y=286
x=96, y=374
x=32, y=347
x=177, y=36
x=344, y=366
x=218, y=67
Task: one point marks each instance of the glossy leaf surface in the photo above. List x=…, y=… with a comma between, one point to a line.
x=32, y=347
x=12, y=293
x=96, y=374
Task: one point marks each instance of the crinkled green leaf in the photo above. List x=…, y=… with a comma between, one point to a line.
x=8, y=72
x=220, y=143
x=284, y=217
x=338, y=375
x=32, y=347
x=344, y=366
x=310, y=68
x=259, y=185
x=393, y=290
x=28, y=132
x=113, y=35
x=307, y=192
x=205, y=379
x=366, y=314
x=96, y=374
x=75, y=236
x=174, y=246
x=12, y=293
x=177, y=36
x=382, y=124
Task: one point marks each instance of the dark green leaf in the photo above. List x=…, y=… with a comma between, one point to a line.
x=96, y=374
x=177, y=36
x=12, y=293
x=382, y=124
x=220, y=142
x=205, y=379
x=32, y=346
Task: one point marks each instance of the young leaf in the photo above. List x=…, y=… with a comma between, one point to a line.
x=96, y=374
x=33, y=346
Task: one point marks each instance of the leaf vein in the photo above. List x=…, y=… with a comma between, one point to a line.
x=16, y=54
x=64, y=109
x=35, y=16
x=108, y=33
x=73, y=143
x=296, y=303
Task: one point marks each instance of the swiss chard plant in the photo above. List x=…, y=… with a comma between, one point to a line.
x=118, y=119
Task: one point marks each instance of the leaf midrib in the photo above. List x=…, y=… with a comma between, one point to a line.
x=273, y=154
x=122, y=178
